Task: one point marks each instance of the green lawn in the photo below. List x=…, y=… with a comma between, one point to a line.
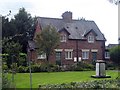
x=22, y=79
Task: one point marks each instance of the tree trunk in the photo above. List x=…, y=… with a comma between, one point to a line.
x=47, y=58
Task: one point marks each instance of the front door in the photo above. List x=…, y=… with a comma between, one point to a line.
x=58, y=58
x=94, y=56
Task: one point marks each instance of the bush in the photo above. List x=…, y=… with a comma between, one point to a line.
x=82, y=66
x=43, y=68
x=4, y=67
x=110, y=66
x=22, y=69
x=54, y=68
x=97, y=84
x=39, y=68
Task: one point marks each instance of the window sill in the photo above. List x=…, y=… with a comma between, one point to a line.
x=90, y=42
x=41, y=58
x=68, y=58
x=85, y=58
x=62, y=41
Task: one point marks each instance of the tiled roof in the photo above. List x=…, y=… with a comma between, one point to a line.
x=111, y=46
x=31, y=45
x=76, y=28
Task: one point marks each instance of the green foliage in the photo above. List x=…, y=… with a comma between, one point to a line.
x=12, y=49
x=6, y=83
x=23, y=69
x=14, y=67
x=115, y=55
x=97, y=84
x=47, y=40
x=82, y=66
x=4, y=67
x=22, y=61
x=24, y=27
x=19, y=28
x=38, y=68
x=110, y=66
x=7, y=27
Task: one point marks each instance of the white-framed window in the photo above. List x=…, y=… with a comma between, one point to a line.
x=107, y=55
x=91, y=39
x=42, y=56
x=63, y=38
x=68, y=53
x=85, y=54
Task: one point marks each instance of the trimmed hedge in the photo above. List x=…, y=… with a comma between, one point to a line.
x=97, y=84
x=38, y=68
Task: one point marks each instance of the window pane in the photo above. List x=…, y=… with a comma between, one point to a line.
x=68, y=55
x=85, y=55
x=63, y=38
x=90, y=39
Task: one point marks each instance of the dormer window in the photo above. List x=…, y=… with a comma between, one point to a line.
x=63, y=38
x=90, y=39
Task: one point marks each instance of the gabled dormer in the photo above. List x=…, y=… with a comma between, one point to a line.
x=63, y=35
x=90, y=36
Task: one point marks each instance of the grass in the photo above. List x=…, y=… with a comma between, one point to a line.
x=22, y=79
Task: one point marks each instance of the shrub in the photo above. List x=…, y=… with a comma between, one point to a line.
x=22, y=69
x=97, y=84
x=36, y=68
x=4, y=67
x=54, y=68
x=82, y=66
x=43, y=68
x=110, y=66
x=14, y=67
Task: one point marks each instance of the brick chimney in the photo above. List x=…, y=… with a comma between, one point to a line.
x=67, y=16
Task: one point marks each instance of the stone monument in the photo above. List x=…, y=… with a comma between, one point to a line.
x=100, y=70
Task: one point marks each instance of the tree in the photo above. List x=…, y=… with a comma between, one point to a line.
x=19, y=27
x=12, y=48
x=23, y=26
x=7, y=27
x=115, y=57
x=47, y=41
x=115, y=54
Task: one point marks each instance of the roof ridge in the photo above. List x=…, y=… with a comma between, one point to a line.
x=50, y=18
x=62, y=19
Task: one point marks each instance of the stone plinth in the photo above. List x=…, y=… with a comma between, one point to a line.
x=100, y=70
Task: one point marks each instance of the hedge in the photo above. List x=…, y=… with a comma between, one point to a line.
x=97, y=84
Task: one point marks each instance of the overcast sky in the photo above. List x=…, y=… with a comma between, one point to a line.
x=102, y=12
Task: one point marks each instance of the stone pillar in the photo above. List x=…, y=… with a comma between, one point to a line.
x=100, y=68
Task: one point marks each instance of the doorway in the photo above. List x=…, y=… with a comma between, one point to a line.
x=58, y=58
x=94, y=56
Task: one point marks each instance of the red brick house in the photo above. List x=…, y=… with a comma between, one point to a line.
x=80, y=40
